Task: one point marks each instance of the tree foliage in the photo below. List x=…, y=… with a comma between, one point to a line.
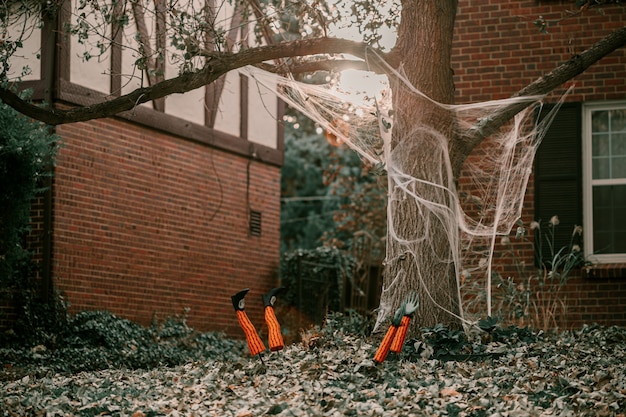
x=307, y=206
x=26, y=153
x=328, y=194
x=362, y=191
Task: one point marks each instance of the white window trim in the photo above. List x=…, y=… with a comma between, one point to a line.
x=588, y=183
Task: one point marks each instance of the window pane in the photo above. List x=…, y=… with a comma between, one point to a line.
x=601, y=145
x=601, y=168
x=618, y=144
x=600, y=121
x=618, y=120
x=609, y=219
x=618, y=167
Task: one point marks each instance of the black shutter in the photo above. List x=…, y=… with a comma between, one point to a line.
x=558, y=177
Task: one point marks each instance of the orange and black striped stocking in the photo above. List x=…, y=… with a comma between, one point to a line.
x=275, y=338
x=398, y=340
x=385, y=344
x=255, y=344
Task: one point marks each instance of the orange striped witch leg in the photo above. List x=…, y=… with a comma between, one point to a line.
x=385, y=344
x=398, y=340
x=275, y=338
x=255, y=344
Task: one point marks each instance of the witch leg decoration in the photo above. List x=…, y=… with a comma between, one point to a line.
x=255, y=344
x=385, y=344
x=275, y=337
x=410, y=305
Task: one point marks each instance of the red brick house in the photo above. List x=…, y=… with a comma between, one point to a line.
x=580, y=168
x=170, y=207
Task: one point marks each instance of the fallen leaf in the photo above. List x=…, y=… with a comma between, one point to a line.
x=448, y=392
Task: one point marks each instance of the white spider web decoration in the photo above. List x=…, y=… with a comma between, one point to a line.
x=497, y=180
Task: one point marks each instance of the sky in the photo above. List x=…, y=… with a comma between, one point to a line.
x=363, y=81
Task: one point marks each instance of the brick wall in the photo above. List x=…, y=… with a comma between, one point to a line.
x=497, y=51
x=148, y=224
x=599, y=300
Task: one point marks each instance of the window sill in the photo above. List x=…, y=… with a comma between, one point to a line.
x=612, y=270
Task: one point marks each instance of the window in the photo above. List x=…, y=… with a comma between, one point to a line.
x=604, y=181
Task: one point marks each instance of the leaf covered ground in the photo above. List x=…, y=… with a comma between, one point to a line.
x=511, y=373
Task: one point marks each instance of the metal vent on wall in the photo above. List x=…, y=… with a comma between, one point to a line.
x=255, y=223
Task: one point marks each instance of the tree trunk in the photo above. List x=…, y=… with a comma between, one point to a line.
x=422, y=237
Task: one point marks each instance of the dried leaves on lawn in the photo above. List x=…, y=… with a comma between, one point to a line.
x=574, y=373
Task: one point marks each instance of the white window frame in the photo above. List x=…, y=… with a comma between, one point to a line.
x=589, y=182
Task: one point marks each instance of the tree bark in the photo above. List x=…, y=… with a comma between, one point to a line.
x=422, y=229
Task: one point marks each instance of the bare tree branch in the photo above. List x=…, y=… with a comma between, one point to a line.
x=218, y=64
x=326, y=65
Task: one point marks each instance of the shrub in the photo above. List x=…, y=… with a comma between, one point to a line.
x=27, y=151
x=533, y=296
x=95, y=340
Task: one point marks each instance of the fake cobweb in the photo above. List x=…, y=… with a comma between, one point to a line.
x=493, y=184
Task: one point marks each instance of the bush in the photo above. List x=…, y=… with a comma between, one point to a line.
x=95, y=340
x=27, y=151
x=534, y=295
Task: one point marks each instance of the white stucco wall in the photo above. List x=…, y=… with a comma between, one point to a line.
x=28, y=54
x=228, y=116
x=262, y=115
